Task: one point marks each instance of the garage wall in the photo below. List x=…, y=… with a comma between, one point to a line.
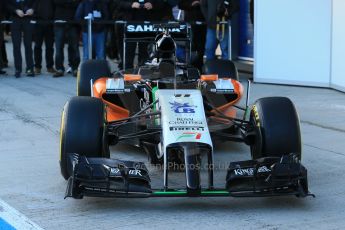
x=338, y=45
x=293, y=41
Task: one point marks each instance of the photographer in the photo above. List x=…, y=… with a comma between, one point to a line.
x=216, y=11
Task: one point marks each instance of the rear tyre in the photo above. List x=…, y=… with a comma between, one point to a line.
x=82, y=131
x=277, y=128
x=91, y=70
x=224, y=68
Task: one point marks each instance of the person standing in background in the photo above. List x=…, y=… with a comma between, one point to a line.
x=65, y=10
x=99, y=11
x=134, y=10
x=5, y=28
x=2, y=10
x=112, y=39
x=164, y=10
x=3, y=52
x=21, y=14
x=216, y=11
x=193, y=14
x=44, y=10
x=251, y=10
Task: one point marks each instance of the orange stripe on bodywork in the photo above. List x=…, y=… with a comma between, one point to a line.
x=131, y=77
x=209, y=77
x=114, y=112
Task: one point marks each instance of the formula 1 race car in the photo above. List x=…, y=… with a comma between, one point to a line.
x=175, y=114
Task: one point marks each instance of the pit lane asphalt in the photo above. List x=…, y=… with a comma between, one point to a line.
x=30, y=179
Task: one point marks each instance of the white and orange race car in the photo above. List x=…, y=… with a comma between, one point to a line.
x=175, y=114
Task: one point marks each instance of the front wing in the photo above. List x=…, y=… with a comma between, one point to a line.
x=102, y=177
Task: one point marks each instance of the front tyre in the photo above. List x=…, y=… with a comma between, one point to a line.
x=82, y=131
x=277, y=128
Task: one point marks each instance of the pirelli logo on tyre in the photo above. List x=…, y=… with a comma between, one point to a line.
x=256, y=115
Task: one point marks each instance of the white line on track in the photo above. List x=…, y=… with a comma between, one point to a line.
x=15, y=219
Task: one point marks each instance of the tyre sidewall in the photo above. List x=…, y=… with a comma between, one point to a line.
x=82, y=131
x=277, y=124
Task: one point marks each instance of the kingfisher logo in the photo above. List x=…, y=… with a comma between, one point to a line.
x=182, y=107
x=193, y=135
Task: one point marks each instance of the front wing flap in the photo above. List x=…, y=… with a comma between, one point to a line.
x=271, y=176
x=104, y=177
